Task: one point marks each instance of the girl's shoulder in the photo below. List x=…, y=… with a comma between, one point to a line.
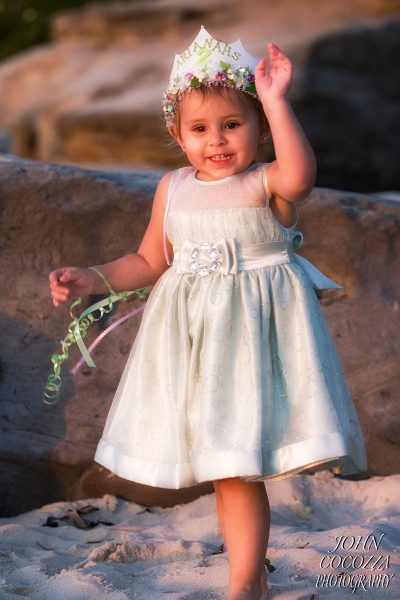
x=188, y=169
x=180, y=176
x=176, y=179
x=182, y=173
x=171, y=178
x=258, y=168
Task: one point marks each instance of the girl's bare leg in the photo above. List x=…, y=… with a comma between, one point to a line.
x=244, y=516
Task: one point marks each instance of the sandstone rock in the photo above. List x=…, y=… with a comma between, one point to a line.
x=56, y=215
x=92, y=97
x=52, y=215
x=130, y=22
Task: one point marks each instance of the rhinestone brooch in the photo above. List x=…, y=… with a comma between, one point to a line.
x=205, y=259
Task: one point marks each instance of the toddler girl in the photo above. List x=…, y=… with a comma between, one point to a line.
x=233, y=376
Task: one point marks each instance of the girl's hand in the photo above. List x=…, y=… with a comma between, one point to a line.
x=273, y=81
x=69, y=283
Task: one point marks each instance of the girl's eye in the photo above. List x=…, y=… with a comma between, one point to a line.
x=232, y=125
x=199, y=128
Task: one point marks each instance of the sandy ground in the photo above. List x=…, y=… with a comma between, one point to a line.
x=151, y=553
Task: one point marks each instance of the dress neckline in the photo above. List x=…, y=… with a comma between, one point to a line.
x=224, y=179
x=219, y=208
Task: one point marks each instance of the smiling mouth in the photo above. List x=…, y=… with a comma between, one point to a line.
x=220, y=157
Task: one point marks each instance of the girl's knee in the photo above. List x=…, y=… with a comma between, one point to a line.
x=229, y=485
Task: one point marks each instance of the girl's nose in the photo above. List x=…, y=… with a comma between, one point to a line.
x=217, y=136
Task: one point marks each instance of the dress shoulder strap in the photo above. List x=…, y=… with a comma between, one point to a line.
x=176, y=176
x=265, y=181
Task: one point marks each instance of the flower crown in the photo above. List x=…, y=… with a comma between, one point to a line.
x=208, y=61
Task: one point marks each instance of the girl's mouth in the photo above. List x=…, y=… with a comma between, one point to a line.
x=220, y=157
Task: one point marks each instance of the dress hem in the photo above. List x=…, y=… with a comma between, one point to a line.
x=337, y=452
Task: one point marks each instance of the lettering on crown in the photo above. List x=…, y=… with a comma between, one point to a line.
x=222, y=47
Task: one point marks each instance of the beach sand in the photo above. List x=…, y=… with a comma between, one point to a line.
x=176, y=553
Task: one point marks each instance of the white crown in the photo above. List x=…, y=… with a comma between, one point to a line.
x=208, y=61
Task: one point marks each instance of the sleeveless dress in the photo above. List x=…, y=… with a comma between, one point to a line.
x=233, y=372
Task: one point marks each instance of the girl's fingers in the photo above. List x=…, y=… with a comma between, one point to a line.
x=59, y=300
x=275, y=49
x=61, y=275
x=260, y=67
x=54, y=275
x=60, y=281
x=60, y=297
x=277, y=54
x=56, y=287
x=261, y=63
x=60, y=293
x=69, y=275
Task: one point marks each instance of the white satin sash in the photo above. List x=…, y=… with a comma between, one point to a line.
x=229, y=256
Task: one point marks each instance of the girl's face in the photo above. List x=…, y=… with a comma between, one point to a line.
x=220, y=133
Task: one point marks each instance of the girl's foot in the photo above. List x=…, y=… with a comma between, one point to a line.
x=261, y=593
x=250, y=592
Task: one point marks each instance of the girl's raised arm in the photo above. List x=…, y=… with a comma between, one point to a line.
x=292, y=175
x=130, y=272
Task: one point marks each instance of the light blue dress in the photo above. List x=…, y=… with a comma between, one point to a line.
x=233, y=372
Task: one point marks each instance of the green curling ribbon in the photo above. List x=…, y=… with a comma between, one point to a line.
x=77, y=330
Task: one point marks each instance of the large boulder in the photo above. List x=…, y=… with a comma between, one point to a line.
x=348, y=102
x=93, y=96
x=54, y=215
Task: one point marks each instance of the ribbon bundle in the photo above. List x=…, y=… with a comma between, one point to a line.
x=78, y=329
